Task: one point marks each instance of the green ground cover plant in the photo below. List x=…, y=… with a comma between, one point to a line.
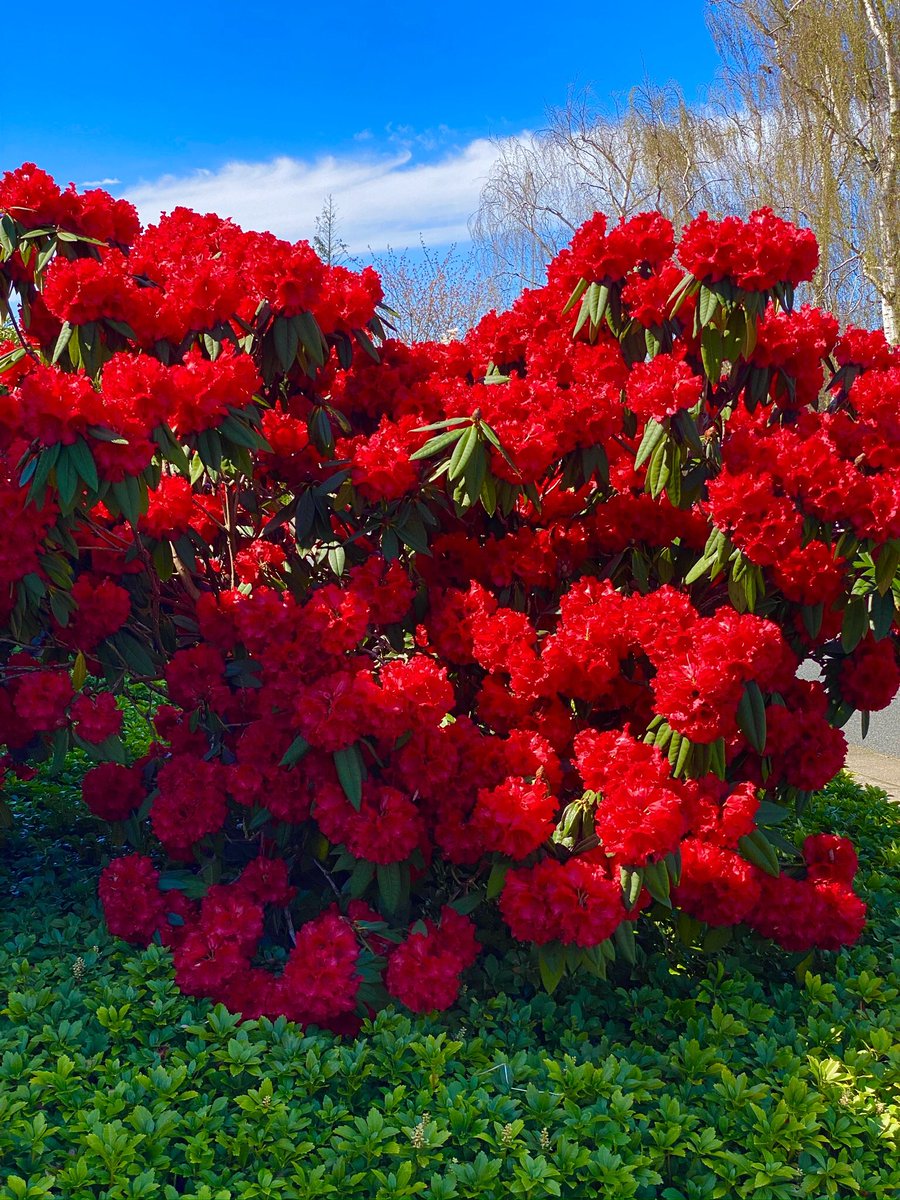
x=702, y=1076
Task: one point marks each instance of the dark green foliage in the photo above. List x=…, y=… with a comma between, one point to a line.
x=718, y=1077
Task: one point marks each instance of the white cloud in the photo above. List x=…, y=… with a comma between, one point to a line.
x=384, y=200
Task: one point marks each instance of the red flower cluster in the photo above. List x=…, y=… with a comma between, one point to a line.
x=530, y=603
x=577, y=902
x=423, y=972
x=756, y=253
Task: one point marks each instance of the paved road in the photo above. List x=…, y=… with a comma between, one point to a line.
x=884, y=731
x=884, y=727
x=875, y=758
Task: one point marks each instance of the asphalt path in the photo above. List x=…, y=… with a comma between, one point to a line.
x=884, y=730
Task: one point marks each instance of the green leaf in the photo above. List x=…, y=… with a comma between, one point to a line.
x=62, y=606
x=436, y=444
x=751, y=716
x=163, y=561
x=46, y=462
x=183, y=881
x=583, y=313
x=812, y=615
x=286, y=336
x=241, y=434
x=412, y=532
x=883, y=612
x=683, y=758
x=654, y=435
x=886, y=566
x=687, y=287
x=295, y=751
x=464, y=450
x=84, y=464
x=134, y=654
x=79, y=672
x=66, y=477
x=171, y=449
x=700, y=568
x=658, y=473
x=717, y=757
x=496, y=880
x=686, y=427
x=658, y=883
x=337, y=559
x=707, y=305
x=551, y=964
x=367, y=344
x=632, y=880
x=209, y=446
x=127, y=496
x=8, y=236
x=390, y=886
x=360, y=877
x=468, y=903
x=65, y=336
x=350, y=770
x=712, y=352
x=715, y=940
x=475, y=473
x=672, y=863
x=580, y=289
x=758, y=850
x=598, y=295
x=855, y=623
x=771, y=814
x=320, y=430
x=442, y=424
x=623, y=936
x=311, y=338
x=121, y=327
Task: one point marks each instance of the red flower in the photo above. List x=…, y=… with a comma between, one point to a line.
x=133, y=905
x=574, y=902
x=830, y=858
x=96, y=718
x=41, y=699
x=424, y=971
x=662, y=387
x=112, y=791
x=516, y=817
x=320, y=980
x=756, y=253
x=717, y=886
x=869, y=678
x=190, y=804
x=57, y=407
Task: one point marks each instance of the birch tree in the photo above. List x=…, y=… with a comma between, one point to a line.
x=827, y=72
x=804, y=117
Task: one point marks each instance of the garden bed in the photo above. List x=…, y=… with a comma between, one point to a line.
x=684, y=1078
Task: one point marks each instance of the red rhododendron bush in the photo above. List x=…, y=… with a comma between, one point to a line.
x=454, y=643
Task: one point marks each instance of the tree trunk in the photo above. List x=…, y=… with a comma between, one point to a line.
x=890, y=320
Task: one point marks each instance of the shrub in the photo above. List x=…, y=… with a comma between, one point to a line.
x=710, y=1075
x=516, y=619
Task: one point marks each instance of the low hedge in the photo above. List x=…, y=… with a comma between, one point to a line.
x=707, y=1079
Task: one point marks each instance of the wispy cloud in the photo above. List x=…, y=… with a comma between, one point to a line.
x=101, y=183
x=382, y=200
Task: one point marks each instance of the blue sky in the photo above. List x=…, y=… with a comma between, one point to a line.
x=258, y=110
